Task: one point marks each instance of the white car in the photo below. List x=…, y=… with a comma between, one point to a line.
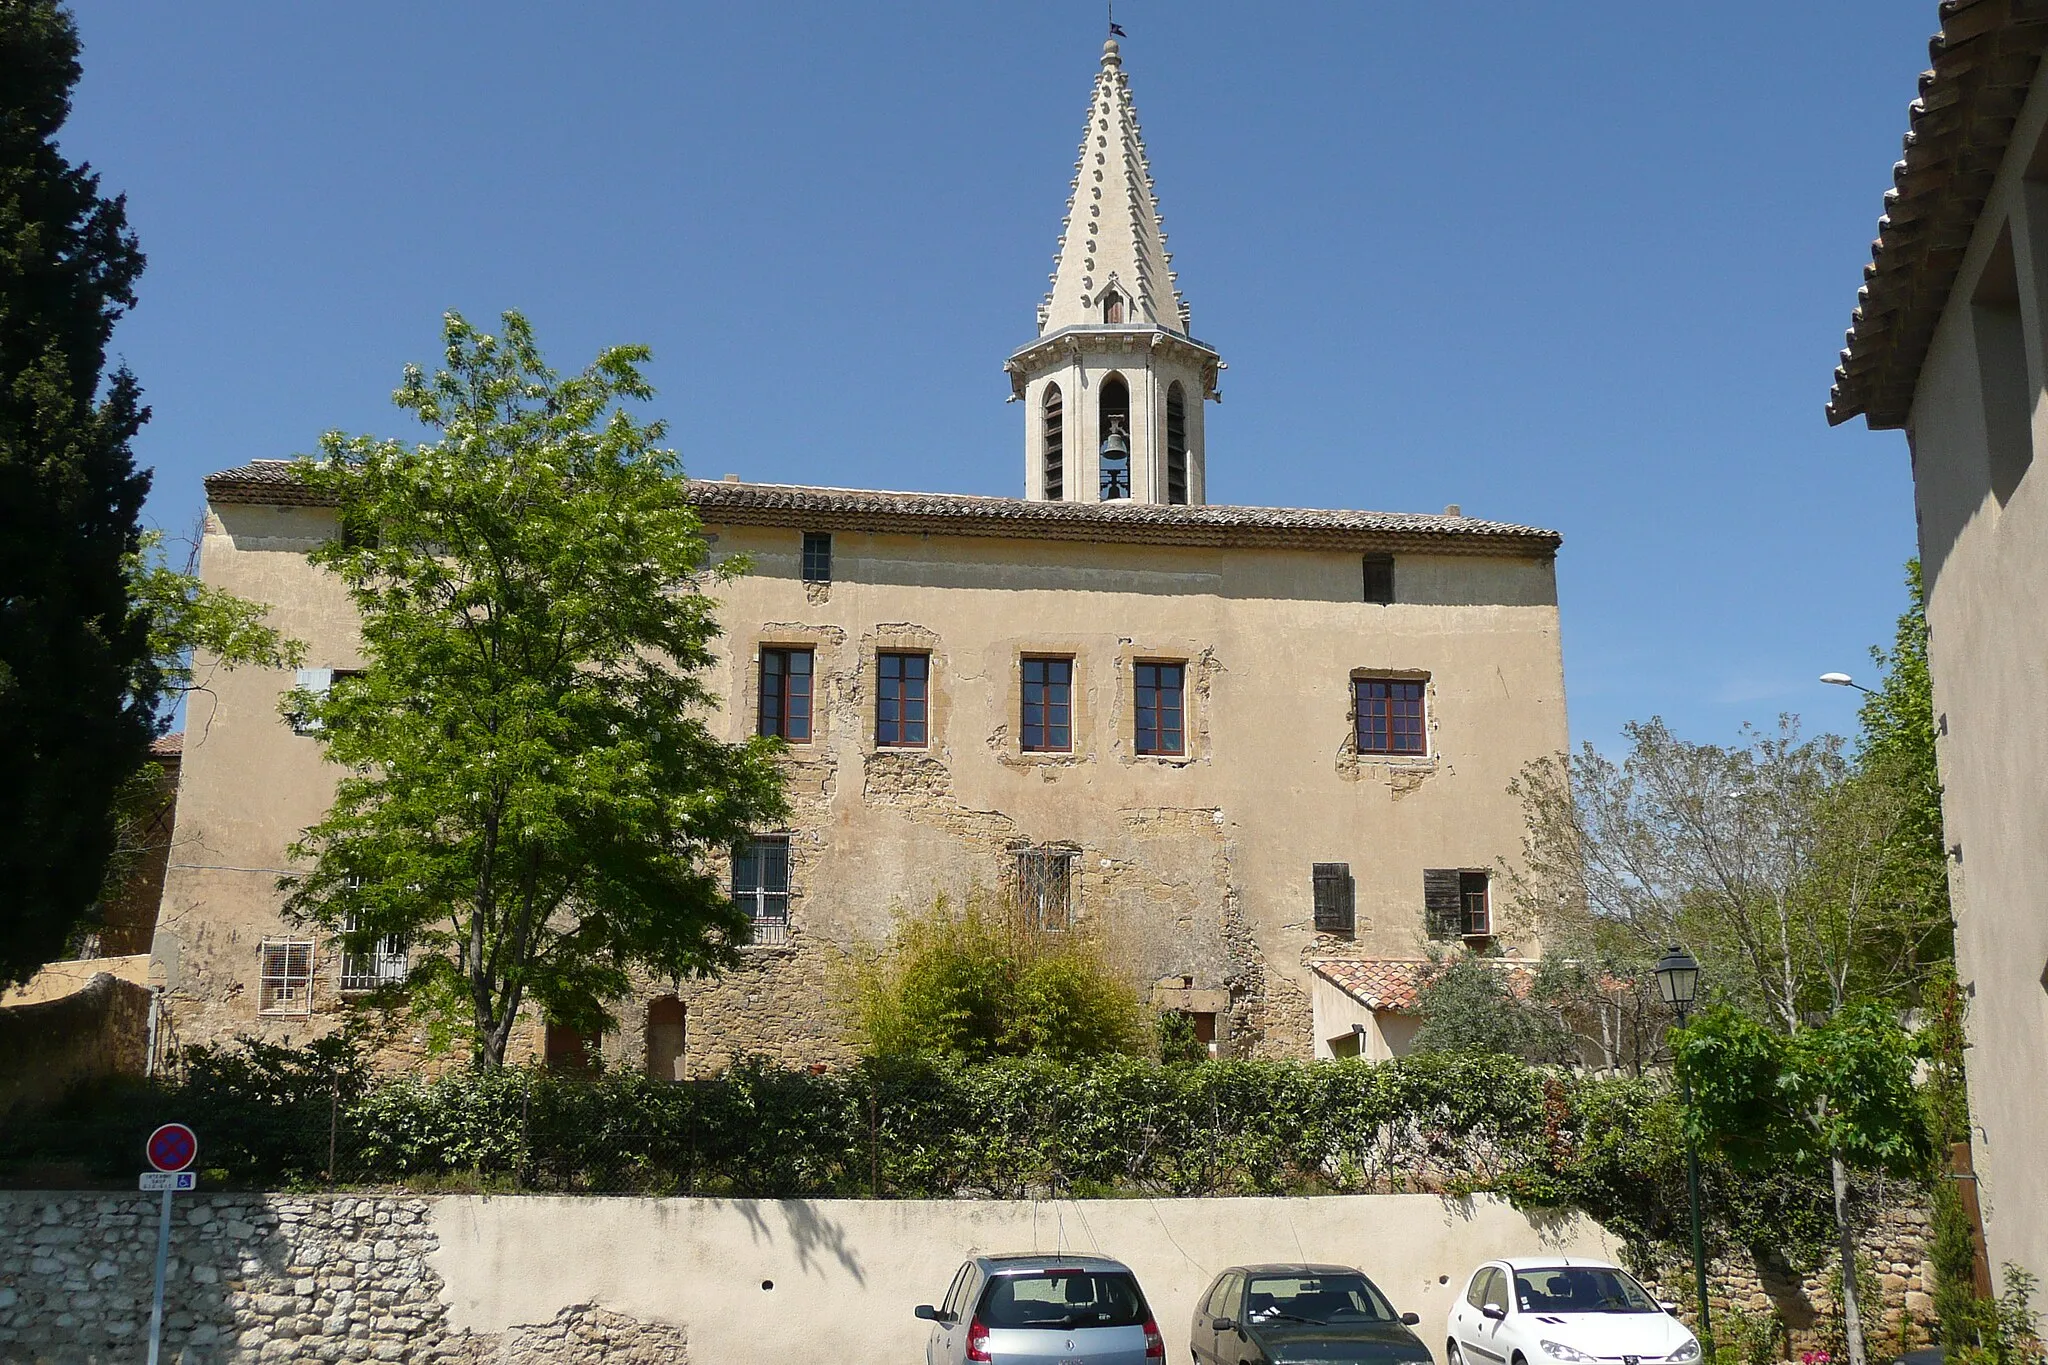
x=1562, y=1310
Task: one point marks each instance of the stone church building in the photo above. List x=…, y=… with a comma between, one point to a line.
x=1262, y=752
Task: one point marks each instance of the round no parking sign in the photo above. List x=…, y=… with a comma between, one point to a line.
x=172, y=1147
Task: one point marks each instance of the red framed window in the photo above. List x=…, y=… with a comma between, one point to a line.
x=1160, y=710
x=786, y=694
x=1390, y=716
x=901, y=696
x=1048, y=719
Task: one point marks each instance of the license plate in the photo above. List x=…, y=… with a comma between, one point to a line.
x=1631, y=1360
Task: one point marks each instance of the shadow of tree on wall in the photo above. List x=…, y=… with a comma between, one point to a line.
x=810, y=1233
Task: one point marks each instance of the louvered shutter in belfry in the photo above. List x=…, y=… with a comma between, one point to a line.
x=1442, y=909
x=1334, y=913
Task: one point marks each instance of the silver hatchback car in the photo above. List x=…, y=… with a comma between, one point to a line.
x=1042, y=1310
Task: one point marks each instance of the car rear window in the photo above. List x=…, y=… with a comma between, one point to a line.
x=1062, y=1299
x=1315, y=1298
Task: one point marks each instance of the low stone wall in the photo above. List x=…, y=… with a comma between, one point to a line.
x=472, y=1280
x=1894, y=1251
x=49, y=1046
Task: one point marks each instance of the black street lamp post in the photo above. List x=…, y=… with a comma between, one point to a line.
x=1678, y=976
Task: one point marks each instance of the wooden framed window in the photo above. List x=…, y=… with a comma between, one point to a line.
x=1112, y=307
x=817, y=556
x=1048, y=717
x=1334, y=899
x=1379, y=578
x=1176, y=443
x=384, y=964
x=1055, y=449
x=786, y=694
x=1475, y=902
x=1390, y=717
x=286, y=981
x=901, y=686
x=1045, y=887
x=319, y=682
x=1457, y=903
x=1161, y=714
x=760, y=886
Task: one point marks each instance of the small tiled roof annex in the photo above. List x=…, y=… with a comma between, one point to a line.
x=1394, y=985
x=1983, y=63
x=795, y=505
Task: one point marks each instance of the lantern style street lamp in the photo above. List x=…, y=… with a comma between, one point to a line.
x=1678, y=977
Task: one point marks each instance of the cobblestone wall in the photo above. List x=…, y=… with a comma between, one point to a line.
x=263, y=1278
x=1894, y=1252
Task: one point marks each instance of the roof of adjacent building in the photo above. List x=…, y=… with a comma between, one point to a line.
x=1394, y=985
x=171, y=746
x=796, y=505
x=1982, y=64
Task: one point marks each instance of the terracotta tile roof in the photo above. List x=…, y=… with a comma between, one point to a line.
x=1983, y=63
x=1394, y=985
x=762, y=504
x=168, y=746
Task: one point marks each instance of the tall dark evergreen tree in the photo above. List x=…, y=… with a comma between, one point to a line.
x=77, y=681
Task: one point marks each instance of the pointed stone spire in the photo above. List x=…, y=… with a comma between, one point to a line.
x=1112, y=239
x=1113, y=385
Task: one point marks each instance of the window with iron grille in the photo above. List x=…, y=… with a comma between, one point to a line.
x=786, y=694
x=760, y=886
x=1048, y=718
x=1176, y=444
x=817, y=556
x=1045, y=887
x=1159, y=710
x=1335, y=913
x=1379, y=578
x=900, y=697
x=1055, y=444
x=286, y=985
x=383, y=965
x=1389, y=715
x=1476, y=904
x=1457, y=903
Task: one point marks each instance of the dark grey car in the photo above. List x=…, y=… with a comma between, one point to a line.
x=1299, y=1315
x=1042, y=1310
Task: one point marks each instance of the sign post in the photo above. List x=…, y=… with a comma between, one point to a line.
x=171, y=1149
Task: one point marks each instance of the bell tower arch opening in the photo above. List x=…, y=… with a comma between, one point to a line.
x=1113, y=408
x=1176, y=443
x=1053, y=452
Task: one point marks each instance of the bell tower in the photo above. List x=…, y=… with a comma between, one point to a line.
x=1113, y=385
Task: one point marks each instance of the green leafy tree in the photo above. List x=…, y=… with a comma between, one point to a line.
x=1469, y=1004
x=77, y=678
x=1839, y=1094
x=981, y=982
x=531, y=795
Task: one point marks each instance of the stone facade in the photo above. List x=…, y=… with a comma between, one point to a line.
x=258, y=1278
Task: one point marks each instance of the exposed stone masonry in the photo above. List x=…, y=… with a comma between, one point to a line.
x=255, y=1278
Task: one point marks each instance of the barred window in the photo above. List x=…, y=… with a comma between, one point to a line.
x=1160, y=710
x=786, y=694
x=1334, y=899
x=287, y=976
x=817, y=556
x=1389, y=716
x=1048, y=719
x=760, y=886
x=383, y=965
x=900, y=698
x=1045, y=887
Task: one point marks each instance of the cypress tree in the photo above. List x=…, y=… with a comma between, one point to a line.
x=77, y=683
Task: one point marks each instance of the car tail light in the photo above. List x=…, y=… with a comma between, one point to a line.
x=977, y=1340
x=1155, y=1345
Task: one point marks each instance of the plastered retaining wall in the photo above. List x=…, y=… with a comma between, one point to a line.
x=548, y=1281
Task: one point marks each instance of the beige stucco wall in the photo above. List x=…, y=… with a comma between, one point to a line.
x=1986, y=563
x=1195, y=867
x=846, y=1273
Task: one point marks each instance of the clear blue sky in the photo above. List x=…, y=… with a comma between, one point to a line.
x=1583, y=265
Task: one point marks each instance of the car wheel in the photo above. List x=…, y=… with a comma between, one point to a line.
x=1452, y=1355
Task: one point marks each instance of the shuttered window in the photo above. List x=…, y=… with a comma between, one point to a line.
x=1335, y=912
x=1443, y=904
x=1055, y=448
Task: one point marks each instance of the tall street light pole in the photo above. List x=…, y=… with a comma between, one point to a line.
x=1678, y=977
